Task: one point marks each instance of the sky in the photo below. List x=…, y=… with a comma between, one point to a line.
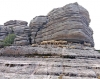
x=27, y=9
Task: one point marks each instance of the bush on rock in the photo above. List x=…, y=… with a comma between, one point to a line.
x=9, y=39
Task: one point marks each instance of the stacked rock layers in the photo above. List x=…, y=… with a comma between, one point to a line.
x=36, y=25
x=70, y=23
x=20, y=29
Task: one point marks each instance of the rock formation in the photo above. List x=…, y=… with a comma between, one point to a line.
x=42, y=49
x=49, y=62
x=22, y=35
x=20, y=29
x=60, y=47
x=15, y=22
x=3, y=32
x=70, y=23
x=36, y=24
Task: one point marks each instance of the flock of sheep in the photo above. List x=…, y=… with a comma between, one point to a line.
x=53, y=42
x=60, y=42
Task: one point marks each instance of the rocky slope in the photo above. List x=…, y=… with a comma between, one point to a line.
x=63, y=63
x=36, y=24
x=70, y=23
x=19, y=28
x=62, y=47
x=3, y=32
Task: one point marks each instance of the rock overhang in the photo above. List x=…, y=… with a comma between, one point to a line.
x=72, y=17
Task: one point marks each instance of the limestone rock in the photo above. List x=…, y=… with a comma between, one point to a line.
x=3, y=32
x=21, y=40
x=70, y=23
x=36, y=49
x=22, y=35
x=20, y=29
x=17, y=50
x=36, y=24
x=15, y=22
x=70, y=10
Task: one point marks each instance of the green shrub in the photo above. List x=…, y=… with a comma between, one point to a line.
x=98, y=50
x=9, y=39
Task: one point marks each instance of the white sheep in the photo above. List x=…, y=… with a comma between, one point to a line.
x=87, y=44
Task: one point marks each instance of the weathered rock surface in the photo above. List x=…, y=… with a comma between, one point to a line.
x=22, y=35
x=20, y=29
x=15, y=22
x=70, y=23
x=36, y=24
x=72, y=64
x=3, y=32
x=72, y=60
x=17, y=50
x=49, y=50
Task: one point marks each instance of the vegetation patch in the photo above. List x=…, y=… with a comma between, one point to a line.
x=8, y=40
x=98, y=50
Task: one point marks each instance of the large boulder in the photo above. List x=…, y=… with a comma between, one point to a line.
x=3, y=32
x=70, y=23
x=17, y=50
x=22, y=35
x=21, y=30
x=36, y=24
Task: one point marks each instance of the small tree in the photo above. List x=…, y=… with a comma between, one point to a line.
x=9, y=40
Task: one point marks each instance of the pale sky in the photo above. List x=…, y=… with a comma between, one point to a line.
x=27, y=9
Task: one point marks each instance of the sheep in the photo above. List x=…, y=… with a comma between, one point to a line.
x=72, y=47
x=56, y=42
x=60, y=42
x=53, y=42
x=44, y=42
x=87, y=44
x=34, y=45
x=61, y=76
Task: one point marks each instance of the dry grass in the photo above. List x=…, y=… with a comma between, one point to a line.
x=98, y=77
x=60, y=77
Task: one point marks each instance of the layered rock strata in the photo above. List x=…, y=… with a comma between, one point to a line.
x=22, y=35
x=36, y=24
x=70, y=23
x=64, y=52
x=3, y=32
x=47, y=50
x=21, y=30
x=71, y=64
x=15, y=22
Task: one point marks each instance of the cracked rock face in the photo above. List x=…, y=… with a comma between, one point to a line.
x=3, y=32
x=22, y=35
x=20, y=29
x=36, y=24
x=70, y=23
